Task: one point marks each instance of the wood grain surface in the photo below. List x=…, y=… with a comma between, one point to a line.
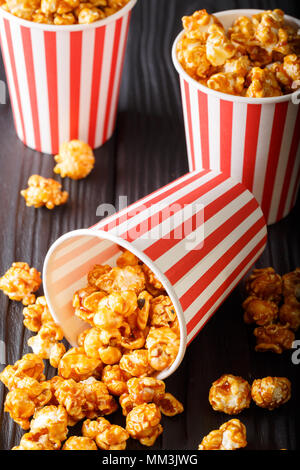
x=147, y=151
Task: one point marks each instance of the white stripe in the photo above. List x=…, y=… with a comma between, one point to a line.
x=196, y=126
x=117, y=78
x=104, y=82
x=10, y=81
x=87, y=60
x=283, y=159
x=221, y=247
x=186, y=126
x=39, y=62
x=214, y=132
x=143, y=215
x=63, y=84
x=210, y=312
x=23, y=84
x=64, y=249
x=263, y=144
x=239, y=119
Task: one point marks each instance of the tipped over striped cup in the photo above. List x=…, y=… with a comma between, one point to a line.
x=256, y=141
x=64, y=80
x=199, y=234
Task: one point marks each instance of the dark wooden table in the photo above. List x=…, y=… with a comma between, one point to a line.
x=147, y=151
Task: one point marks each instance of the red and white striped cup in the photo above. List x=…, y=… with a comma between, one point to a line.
x=199, y=234
x=64, y=80
x=254, y=140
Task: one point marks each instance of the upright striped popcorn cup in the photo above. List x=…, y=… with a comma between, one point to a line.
x=199, y=234
x=256, y=141
x=64, y=80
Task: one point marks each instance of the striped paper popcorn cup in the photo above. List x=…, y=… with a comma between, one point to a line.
x=199, y=234
x=254, y=140
x=64, y=81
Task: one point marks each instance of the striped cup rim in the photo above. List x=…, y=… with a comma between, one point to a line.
x=103, y=235
x=219, y=94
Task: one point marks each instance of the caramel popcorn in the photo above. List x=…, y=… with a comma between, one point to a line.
x=169, y=405
x=20, y=281
x=163, y=345
x=129, y=278
x=136, y=363
x=115, y=379
x=75, y=364
x=44, y=192
x=52, y=420
x=85, y=302
x=63, y=12
x=42, y=344
x=154, y=286
x=274, y=337
x=265, y=284
x=271, y=392
x=291, y=284
x=145, y=390
x=289, y=312
x=22, y=402
x=30, y=365
x=37, y=314
x=230, y=394
x=143, y=423
x=162, y=312
x=127, y=259
x=75, y=158
x=79, y=443
x=36, y=441
x=259, y=311
x=230, y=436
x=257, y=57
x=107, y=436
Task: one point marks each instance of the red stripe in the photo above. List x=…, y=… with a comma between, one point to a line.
x=28, y=57
x=221, y=289
x=161, y=215
x=157, y=196
x=121, y=66
x=289, y=168
x=112, y=76
x=203, y=118
x=273, y=156
x=210, y=275
x=51, y=68
x=251, y=139
x=295, y=191
x=97, y=69
x=189, y=122
x=226, y=111
x=14, y=74
x=192, y=258
x=75, y=79
x=161, y=246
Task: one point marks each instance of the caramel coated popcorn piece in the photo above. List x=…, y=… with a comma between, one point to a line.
x=115, y=379
x=230, y=436
x=259, y=311
x=36, y=441
x=265, y=284
x=20, y=281
x=145, y=390
x=226, y=82
x=30, y=365
x=163, y=345
x=44, y=343
x=107, y=436
x=162, y=311
x=230, y=394
x=127, y=259
x=143, y=423
x=75, y=364
x=85, y=302
x=169, y=405
x=274, y=337
x=291, y=284
x=136, y=363
x=79, y=443
x=44, y=192
x=289, y=312
x=271, y=392
x=262, y=84
x=22, y=8
x=130, y=278
x=75, y=158
x=35, y=315
x=52, y=420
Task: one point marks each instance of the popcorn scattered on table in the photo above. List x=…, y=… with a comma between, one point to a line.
x=20, y=281
x=230, y=394
x=257, y=57
x=63, y=12
x=44, y=192
x=74, y=160
x=230, y=436
x=271, y=392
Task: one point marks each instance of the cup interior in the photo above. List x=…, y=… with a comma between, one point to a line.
x=65, y=271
